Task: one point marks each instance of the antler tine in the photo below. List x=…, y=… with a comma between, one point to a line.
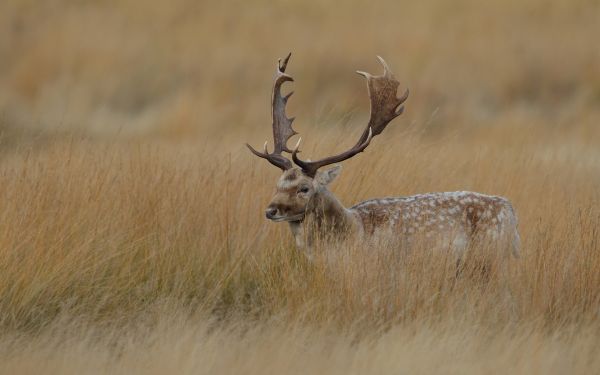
x=282, y=125
x=385, y=107
x=285, y=62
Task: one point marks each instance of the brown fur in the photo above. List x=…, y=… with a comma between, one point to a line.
x=452, y=218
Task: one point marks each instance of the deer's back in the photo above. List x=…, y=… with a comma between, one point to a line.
x=461, y=215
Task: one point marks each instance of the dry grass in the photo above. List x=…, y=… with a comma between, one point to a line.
x=161, y=258
x=138, y=245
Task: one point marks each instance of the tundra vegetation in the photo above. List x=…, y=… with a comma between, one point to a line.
x=132, y=215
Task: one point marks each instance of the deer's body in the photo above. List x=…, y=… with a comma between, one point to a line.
x=452, y=220
x=456, y=217
x=447, y=220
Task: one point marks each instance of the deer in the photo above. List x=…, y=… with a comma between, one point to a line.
x=303, y=200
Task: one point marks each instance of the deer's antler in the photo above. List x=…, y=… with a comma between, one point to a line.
x=385, y=107
x=282, y=125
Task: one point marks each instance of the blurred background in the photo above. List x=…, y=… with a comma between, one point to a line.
x=200, y=71
x=129, y=202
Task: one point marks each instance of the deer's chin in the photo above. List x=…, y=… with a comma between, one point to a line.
x=298, y=217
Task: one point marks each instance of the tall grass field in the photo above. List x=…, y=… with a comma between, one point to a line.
x=132, y=229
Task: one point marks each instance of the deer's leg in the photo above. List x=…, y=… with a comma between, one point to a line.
x=303, y=238
x=460, y=245
x=459, y=267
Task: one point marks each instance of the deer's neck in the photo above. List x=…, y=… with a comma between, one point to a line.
x=325, y=218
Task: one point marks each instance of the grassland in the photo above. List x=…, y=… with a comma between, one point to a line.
x=132, y=233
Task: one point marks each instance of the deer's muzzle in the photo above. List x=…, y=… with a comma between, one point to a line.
x=275, y=214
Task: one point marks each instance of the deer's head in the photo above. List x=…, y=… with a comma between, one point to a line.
x=295, y=191
x=297, y=186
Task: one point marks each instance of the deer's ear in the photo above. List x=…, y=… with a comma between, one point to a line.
x=326, y=177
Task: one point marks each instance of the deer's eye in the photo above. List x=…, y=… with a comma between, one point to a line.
x=303, y=189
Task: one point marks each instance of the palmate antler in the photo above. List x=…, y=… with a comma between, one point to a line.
x=282, y=126
x=385, y=107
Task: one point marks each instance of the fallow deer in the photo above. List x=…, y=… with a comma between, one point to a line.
x=303, y=200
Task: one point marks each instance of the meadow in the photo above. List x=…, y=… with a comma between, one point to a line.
x=133, y=237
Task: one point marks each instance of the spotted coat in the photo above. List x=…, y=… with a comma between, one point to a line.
x=454, y=217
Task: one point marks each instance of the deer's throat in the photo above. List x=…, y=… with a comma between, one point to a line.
x=326, y=212
x=325, y=218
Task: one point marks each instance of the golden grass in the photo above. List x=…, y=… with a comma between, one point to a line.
x=148, y=252
x=131, y=216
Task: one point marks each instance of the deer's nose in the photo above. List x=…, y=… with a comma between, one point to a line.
x=271, y=212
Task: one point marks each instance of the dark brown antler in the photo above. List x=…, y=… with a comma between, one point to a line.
x=282, y=126
x=385, y=107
